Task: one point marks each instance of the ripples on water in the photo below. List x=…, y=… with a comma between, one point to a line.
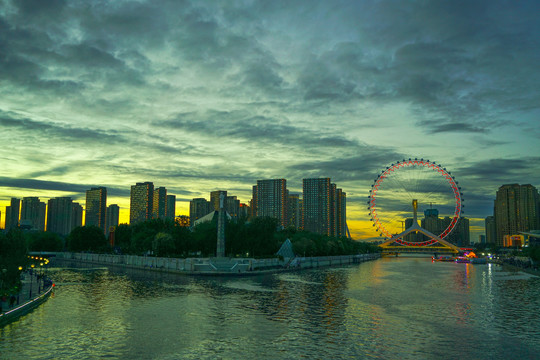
x=406, y=308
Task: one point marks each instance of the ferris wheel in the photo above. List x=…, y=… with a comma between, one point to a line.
x=429, y=186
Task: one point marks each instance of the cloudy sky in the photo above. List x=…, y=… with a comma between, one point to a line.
x=204, y=95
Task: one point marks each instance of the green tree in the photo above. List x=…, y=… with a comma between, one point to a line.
x=163, y=244
x=205, y=238
x=122, y=238
x=13, y=253
x=87, y=238
x=44, y=241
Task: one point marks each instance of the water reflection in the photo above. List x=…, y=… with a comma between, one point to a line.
x=391, y=308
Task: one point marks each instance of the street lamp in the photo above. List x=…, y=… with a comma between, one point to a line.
x=40, y=279
x=31, y=280
x=18, y=292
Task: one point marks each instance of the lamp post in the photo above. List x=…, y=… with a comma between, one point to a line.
x=19, y=292
x=31, y=280
x=40, y=279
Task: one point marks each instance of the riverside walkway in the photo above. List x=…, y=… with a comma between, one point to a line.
x=35, y=290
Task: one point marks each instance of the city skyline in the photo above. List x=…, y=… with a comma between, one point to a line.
x=200, y=97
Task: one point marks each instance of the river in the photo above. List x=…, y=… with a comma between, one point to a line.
x=392, y=308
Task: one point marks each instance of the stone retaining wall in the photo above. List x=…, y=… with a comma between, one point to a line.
x=216, y=265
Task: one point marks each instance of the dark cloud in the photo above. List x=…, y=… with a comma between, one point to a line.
x=63, y=131
x=363, y=166
x=243, y=126
x=504, y=170
x=32, y=184
x=435, y=127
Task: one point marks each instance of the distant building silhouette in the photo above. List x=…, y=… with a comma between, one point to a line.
x=243, y=211
x=170, y=210
x=214, y=198
x=516, y=210
x=113, y=217
x=232, y=207
x=270, y=199
x=76, y=215
x=460, y=236
x=491, y=230
x=12, y=214
x=317, y=198
x=141, y=202
x=294, y=211
x=159, y=203
x=60, y=215
x=339, y=212
x=33, y=213
x=96, y=208
x=324, y=207
x=199, y=208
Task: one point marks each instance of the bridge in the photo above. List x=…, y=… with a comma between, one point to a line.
x=435, y=245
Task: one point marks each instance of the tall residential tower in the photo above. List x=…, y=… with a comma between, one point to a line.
x=141, y=202
x=96, y=207
x=516, y=209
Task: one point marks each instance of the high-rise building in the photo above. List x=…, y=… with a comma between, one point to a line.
x=294, y=214
x=271, y=199
x=432, y=223
x=33, y=213
x=253, y=202
x=113, y=216
x=170, y=210
x=159, y=206
x=198, y=208
x=243, y=211
x=339, y=213
x=141, y=202
x=516, y=209
x=436, y=225
x=12, y=213
x=59, y=215
x=324, y=207
x=214, y=198
x=232, y=207
x=460, y=236
x=96, y=207
x=76, y=215
x=317, y=196
x=491, y=230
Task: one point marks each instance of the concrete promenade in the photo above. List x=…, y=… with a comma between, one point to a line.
x=34, y=291
x=215, y=266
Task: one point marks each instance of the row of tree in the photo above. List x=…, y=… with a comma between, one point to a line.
x=260, y=237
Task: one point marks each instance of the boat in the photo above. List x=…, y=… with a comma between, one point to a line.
x=461, y=259
x=443, y=258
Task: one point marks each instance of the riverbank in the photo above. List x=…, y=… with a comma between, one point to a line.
x=511, y=264
x=34, y=291
x=215, y=266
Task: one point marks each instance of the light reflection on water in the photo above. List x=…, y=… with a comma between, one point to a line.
x=407, y=308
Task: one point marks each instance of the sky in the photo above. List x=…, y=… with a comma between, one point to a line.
x=204, y=95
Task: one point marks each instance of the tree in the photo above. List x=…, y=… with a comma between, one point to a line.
x=87, y=238
x=163, y=244
x=13, y=253
x=205, y=238
x=44, y=241
x=122, y=238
